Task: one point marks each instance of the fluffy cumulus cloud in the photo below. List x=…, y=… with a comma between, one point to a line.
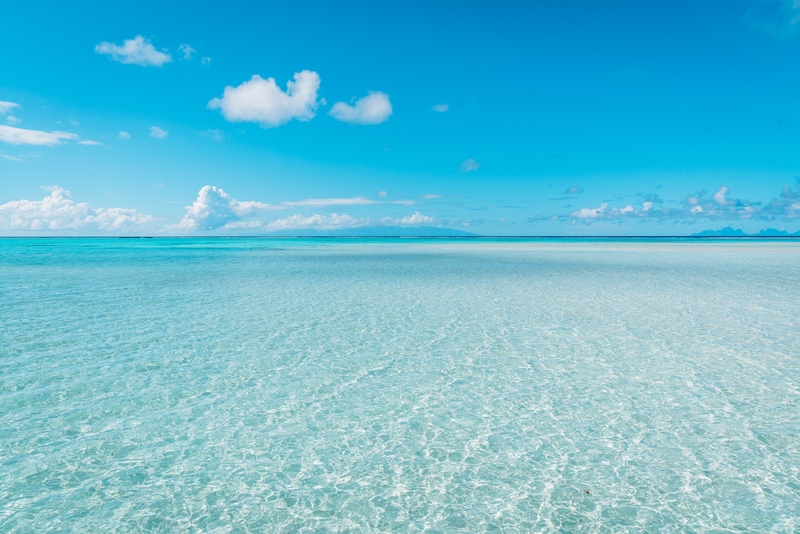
x=215, y=209
x=374, y=108
x=468, y=165
x=22, y=136
x=694, y=207
x=136, y=51
x=262, y=101
x=58, y=212
x=5, y=107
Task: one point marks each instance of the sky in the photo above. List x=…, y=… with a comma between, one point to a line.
x=495, y=118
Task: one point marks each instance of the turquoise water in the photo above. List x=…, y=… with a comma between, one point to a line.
x=318, y=385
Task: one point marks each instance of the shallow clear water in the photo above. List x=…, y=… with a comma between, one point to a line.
x=278, y=385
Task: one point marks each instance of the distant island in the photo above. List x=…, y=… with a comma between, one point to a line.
x=731, y=232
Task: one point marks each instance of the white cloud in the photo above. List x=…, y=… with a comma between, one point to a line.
x=381, y=194
x=136, y=51
x=468, y=165
x=124, y=135
x=262, y=101
x=11, y=119
x=89, y=142
x=337, y=222
x=319, y=222
x=589, y=213
x=187, y=51
x=206, y=61
x=215, y=209
x=430, y=197
x=696, y=207
x=441, y=108
x=374, y=108
x=721, y=196
x=58, y=211
x=5, y=107
x=416, y=219
x=158, y=133
x=21, y=136
x=10, y=158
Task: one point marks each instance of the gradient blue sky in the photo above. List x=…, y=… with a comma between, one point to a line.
x=577, y=118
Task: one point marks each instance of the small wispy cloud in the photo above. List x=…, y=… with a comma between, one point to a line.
x=468, y=165
x=158, y=133
x=136, y=51
x=263, y=102
x=441, y=108
x=374, y=108
x=206, y=61
x=89, y=142
x=5, y=107
x=187, y=51
x=123, y=135
x=22, y=136
x=573, y=190
x=215, y=134
x=429, y=197
x=324, y=202
x=781, y=18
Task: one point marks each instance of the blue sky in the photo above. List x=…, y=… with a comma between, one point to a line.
x=582, y=118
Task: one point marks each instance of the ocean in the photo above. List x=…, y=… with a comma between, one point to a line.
x=409, y=385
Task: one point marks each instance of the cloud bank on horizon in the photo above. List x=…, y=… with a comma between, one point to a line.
x=693, y=208
x=58, y=212
x=214, y=210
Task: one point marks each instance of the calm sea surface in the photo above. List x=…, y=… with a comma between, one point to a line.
x=316, y=385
